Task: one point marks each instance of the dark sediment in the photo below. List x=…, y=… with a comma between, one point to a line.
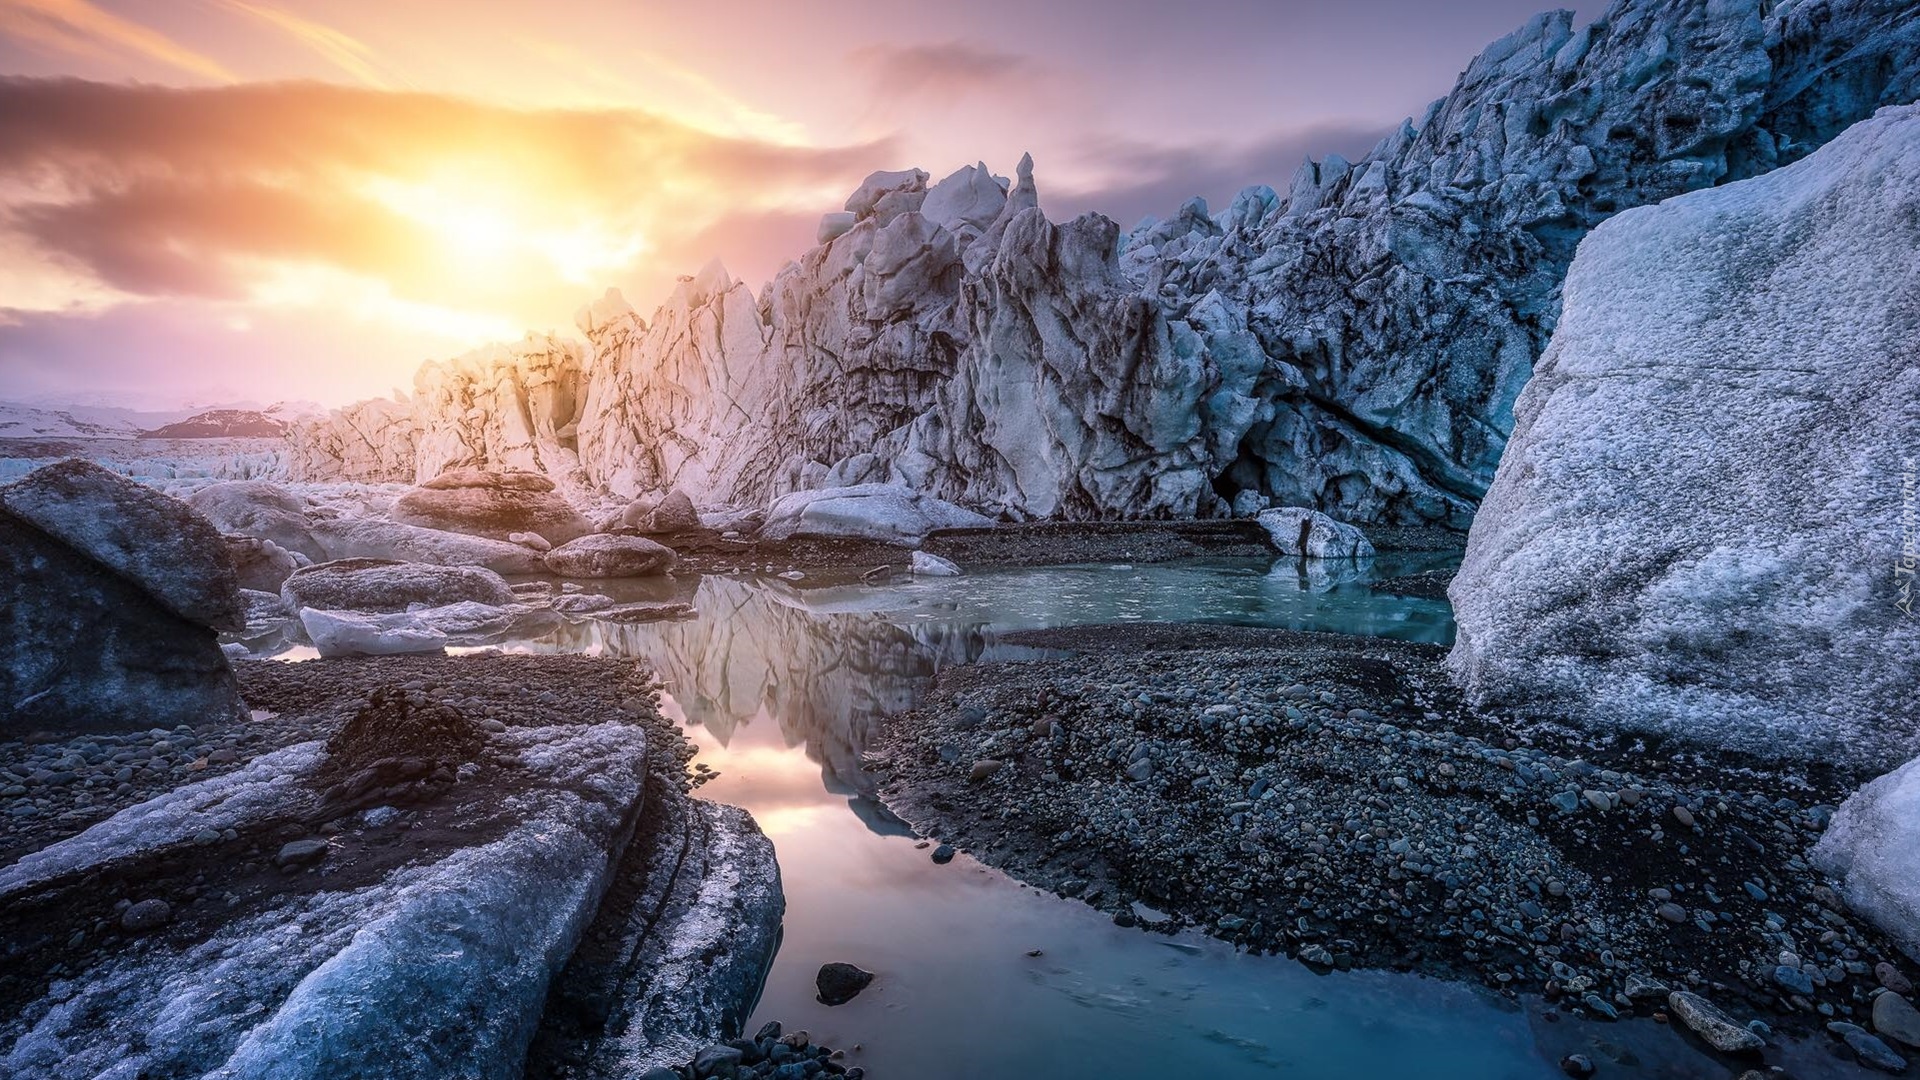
x=1332, y=798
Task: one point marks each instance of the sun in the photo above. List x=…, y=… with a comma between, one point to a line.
x=495, y=226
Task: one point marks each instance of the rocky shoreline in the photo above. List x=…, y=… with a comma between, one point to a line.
x=1333, y=799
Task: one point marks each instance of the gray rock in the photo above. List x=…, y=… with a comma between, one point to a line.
x=1716, y=1027
x=605, y=555
x=1891, y=978
x=1872, y=1051
x=1672, y=912
x=839, y=983
x=983, y=769
x=494, y=503
x=717, y=1060
x=382, y=585
x=674, y=514
x=1793, y=980
x=146, y=915
x=301, y=853
x=1896, y=1018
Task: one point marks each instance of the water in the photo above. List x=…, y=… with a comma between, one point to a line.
x=782, y=684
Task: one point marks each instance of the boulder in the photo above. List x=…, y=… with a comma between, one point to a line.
x=84, y=648
x=159, y=544
x=674, y=514
x=259, y=509
x=604, y=555
x=1872, y=848
x=1696, y=527
x=382, y=585
x=889, y=513
x=1297, y=530
x=494, y=503
x=370, y=538
x=261, y=565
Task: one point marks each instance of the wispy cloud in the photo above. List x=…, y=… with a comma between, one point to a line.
x=79, y=28
x=942, y=69
x=337, y=47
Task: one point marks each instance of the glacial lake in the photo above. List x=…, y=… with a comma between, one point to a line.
x=782, y=683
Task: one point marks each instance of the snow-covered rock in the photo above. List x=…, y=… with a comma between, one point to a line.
x=1698, y=527
x=494, y=503
x=355, y=633
x=381, y=585
x=1297, y=530
x=1872, y=848
x=888, y=513
x=925, y=564
x=111, y=629
x=606, y=555
x=159, y=544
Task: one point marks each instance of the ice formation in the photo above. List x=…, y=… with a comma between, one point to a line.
x=1698, y=524
x=1873, y=849
x=1353, y=343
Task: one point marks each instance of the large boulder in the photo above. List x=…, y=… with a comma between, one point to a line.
x=1697, y=529
x=494, y=503
x=259, y=509
x=889, y=513
x=1873, y=849
x=158, y=543
x=606, y=555
x=381, y=585
x=113, y=629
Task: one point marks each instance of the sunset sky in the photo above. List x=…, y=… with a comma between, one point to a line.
x=205, y=200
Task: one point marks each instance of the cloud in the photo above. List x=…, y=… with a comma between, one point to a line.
x=338, y=48
x=942, y=69
x=80, y=28
x=1140, y=178
x=215, y=192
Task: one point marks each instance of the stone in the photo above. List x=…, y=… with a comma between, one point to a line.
x=1895, y=1018
x=146, y=915
x=605, y=555
x=1793, y=980
x=382, y=585
x=839, y=983
x=1715, y=1027
x=984, y=769
x=1892, y=978
x=491, y=503
x=1672, y=912
x=301, y=853
x=1872, y=1051
x=163, y=547
x=1296, y=530
x=943, y=854
x=530, y=540
x=1577, y=1065
x=717, y=1060
x=1662, y=409
x=675, y=514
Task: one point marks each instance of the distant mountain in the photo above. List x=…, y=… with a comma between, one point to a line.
x=26, y=422
x=221, y=424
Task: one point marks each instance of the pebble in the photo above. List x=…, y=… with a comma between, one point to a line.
x=301, y=853
x=1872, y=1052
x=146, y=915
x=839, y=983
x=1577, y=1065
x=1718, y=1029
x=1891, y=978
x=1895, y=1017
x=1672, y=912
x=982, y=769
x=943, y=854
x=1793, y=980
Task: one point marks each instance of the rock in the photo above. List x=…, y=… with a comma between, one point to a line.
x=530, y=540
x=675, y=514
x=717, y=1060
x=260, y=565
x=1141, y=769
x=263, y=510
x=1891, y=978
x=1872, y=1052
x=163, y=547
x=839, y=983
x=1872, y=847
x=367, y=538
x=943, y=854
x=1645, y=988
x=925, y=565
x=888, y=513
x=146, y=915
x=1577, y=1065
x=1896, y=1018
x=301, y=853
x=1793, y=980
x=983, y=769
x=1297, y=530
x=83, y=646
x=1715, y=1027
x=605, y=555
x=1672, y=912
x=381, y=585
x=491, y=503
x=1715, y=493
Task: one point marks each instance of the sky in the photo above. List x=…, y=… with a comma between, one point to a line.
x=215, y=200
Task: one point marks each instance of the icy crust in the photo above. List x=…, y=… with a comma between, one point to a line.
x=440, y=969
x=1696, y=528
x=267, y=785
x=885, y=512
x=1873, y=850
